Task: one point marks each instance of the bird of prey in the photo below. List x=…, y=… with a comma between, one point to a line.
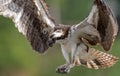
x=33, y=20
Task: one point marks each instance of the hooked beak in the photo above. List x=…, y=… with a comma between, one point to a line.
x=53, y=37
x=51, y=41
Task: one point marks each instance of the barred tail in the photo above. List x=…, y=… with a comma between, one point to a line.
x=96, y=59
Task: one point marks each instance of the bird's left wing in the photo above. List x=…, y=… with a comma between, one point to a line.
x=32, y=19
x=100, y=24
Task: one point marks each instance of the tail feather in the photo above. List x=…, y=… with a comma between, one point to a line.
x=96, y=59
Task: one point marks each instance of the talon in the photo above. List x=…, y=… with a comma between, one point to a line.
x=64, y=69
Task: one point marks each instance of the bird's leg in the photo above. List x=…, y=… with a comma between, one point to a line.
x=74, y=57
x=63, y=69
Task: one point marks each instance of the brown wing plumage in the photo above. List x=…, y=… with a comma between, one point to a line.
x=96, y=59
x=107, y=24
x=30, y=20
x=103, y=20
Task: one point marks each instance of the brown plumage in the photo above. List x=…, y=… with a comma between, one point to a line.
x=29, y=20
x=101, y=18
x=96, y=59
x=106, y=25
x=33, y=20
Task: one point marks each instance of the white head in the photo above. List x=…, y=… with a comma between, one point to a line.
x=59, y=33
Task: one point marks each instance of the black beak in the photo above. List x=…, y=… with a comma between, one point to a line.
x=51, y=42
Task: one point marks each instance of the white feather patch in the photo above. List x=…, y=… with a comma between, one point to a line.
x=44, y=15
x=93, y=11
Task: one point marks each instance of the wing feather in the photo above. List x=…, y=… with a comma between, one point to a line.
x=101, y=18
x=106, y=24
x=32, y=20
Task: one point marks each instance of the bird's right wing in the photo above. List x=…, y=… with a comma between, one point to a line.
x=32, y=19
x=101, y=24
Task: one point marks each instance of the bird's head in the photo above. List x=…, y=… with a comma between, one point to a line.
x=59, y=33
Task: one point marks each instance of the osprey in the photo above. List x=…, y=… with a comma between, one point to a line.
x=33, y=20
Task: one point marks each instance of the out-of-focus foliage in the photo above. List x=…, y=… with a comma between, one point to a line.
x=18, y=59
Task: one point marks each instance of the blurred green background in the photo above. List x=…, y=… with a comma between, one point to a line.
x=18, y=59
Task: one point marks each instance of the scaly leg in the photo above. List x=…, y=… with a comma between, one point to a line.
x=63, y=69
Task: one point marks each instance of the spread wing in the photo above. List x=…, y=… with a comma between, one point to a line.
x=32, y=19
x=101, y=18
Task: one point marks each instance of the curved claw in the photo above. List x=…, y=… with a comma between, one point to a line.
x=63, y=69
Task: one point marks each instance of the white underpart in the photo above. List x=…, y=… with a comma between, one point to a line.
x=92, y=13
x=57, y=34
x=44, y=14
x=81, y=51
x=68, y=46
